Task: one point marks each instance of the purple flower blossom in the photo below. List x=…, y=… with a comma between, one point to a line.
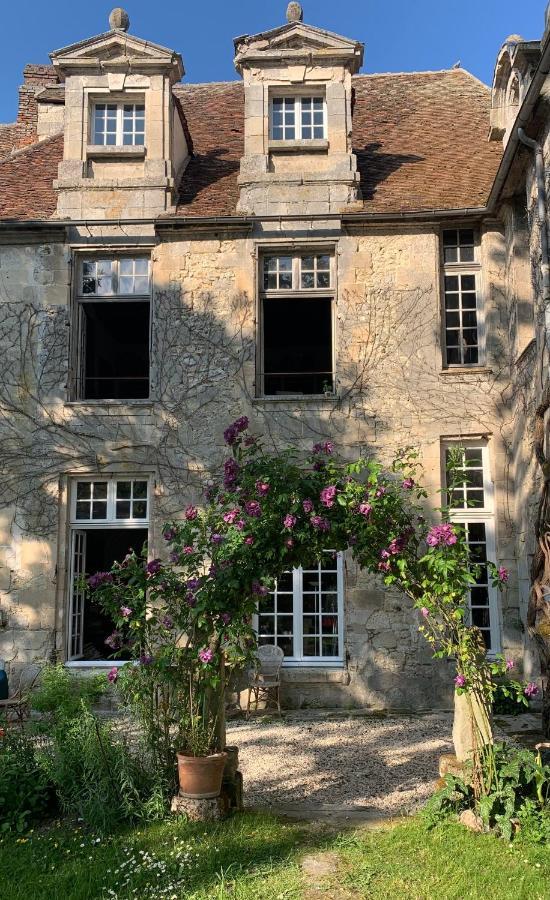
x=320, y=523
x=169, y=534
x=231, y=433
x=168, y=622
x=253, y=508
x=384, y=566
x=174, y=557
x=153, y=567
x=226, y=618
x=326, y=447
x=425, y=612
x=240, y=524
x=509, y=664
x=125, y=611
x=193, y=583
x=441, y=534
x=308, y=506
x=229, y=517
x=262, y=487
x=191, y=513
x=408, y=484
x=327, y=495
x=460, y=681
x=385, y=554
x=95, y=581
x=259, y=589
x=112, y=675
x=146, y=659
x=249, y=540
x=206, y=655
x=397, y=545
x=503, y=574
x=289, y=520
x=318, y=465
x=190, y=599
x=114, y=640
x=289, y=543
x=531, y=690
x=217, y=538
x=365, y=509
x=231, y=470
x=381, y=491
x=188, y=550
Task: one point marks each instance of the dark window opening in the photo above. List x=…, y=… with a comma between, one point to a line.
x=103, y=548
x=115, y=351
x=297, y=346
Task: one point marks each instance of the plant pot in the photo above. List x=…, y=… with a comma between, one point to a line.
x=200, y=777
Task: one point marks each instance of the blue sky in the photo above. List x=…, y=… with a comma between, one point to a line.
x=399, y=35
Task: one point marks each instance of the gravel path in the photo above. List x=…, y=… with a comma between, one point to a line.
x=386, y=764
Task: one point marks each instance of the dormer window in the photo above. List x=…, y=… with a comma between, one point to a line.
x=297, y=119
x=119, y=124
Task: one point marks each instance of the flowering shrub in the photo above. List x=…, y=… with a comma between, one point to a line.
x=269, y=513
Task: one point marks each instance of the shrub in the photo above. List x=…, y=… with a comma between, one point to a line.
x=516, y=790
x=97, y=777
x=26, y=794
x=61, y=694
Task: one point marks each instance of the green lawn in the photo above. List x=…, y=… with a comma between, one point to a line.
x=256, y=857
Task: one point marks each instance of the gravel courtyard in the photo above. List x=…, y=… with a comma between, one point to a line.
x=358, y=763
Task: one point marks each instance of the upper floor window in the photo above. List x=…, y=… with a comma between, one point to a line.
x=119, y=124
x=112, y=328
x=296, y=338
x=115, y=500
x=461, y=276
x=297, y=119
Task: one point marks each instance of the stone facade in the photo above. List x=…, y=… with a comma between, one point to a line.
x=392, y=388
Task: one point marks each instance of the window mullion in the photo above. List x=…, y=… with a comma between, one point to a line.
x=297, y=606
x=119, y=127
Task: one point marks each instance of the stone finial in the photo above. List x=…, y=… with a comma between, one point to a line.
x=119, y=20
x=294, y=12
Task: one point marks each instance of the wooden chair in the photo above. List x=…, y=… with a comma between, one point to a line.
x=264, y=681
x=17, y=704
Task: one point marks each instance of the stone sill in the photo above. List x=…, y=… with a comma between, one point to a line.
x=132, y=404
x=467, y=370
x=293, y=398
x=312, y=675
x=105, y=150
x=297, y=146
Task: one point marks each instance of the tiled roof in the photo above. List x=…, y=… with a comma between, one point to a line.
x=26, y=177
x=420, y=138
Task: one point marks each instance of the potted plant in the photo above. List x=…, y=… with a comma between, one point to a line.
x=201, y=766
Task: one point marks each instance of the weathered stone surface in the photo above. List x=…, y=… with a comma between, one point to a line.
x=469, y=819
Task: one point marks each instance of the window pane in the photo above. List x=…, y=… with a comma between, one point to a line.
x=140, y=489
x=123, y=509
x=99, y=509
x=100, y=490
x=123, y=489
x=139, y=509
x=83, y=490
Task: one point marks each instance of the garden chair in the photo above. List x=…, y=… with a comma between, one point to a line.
x=17, y=704
x=264, y=681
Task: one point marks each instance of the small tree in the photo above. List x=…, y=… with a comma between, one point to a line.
x=186, y=620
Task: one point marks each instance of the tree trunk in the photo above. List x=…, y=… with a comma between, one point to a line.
x=538, y=613
x=472, y=728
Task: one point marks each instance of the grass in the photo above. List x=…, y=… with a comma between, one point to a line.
x=257, y=857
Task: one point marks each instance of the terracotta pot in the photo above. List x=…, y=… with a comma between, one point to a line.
x=200, y=777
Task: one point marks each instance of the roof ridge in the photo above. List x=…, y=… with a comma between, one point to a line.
x=184, y=84
x=449, y=71
x=29, y=147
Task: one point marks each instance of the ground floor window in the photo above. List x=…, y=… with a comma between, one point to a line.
x=109, y=519
x=304, y=614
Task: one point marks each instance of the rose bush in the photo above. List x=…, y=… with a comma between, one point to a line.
x=186, y=618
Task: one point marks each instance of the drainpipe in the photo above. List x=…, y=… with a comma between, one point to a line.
x=541, y=214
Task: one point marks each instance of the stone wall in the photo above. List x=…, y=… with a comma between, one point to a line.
x=392, y=392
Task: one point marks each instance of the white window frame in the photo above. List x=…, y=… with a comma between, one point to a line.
x=295, y=291
x=119, y=114
x=482, y=515
x=298, y=659
x=297, y=101
x=77, y=548
x=115, y=262
x=458, y=269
